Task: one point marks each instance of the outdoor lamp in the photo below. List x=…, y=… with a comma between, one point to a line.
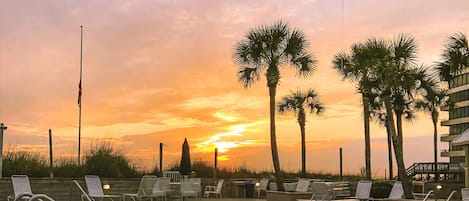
x=439, y=187
x=257, y=184
x=106, y=186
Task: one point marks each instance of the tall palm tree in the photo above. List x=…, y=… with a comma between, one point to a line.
x=396, y=77
x=455, y=56
x=431, y=100
x=269, y=48
x=404, y=53
x=298, y=102
x=355, y=67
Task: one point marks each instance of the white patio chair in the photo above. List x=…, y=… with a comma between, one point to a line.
x=175, y=176
x=451, y=195
x=397, y=192
x=157, y=192
x=95, y=189
x=187, y=189
x=321, y=191
x=263, y=183
x=465, y=194
x=22, y=189
x=303, y=185
x=84, y=194
x=363, y=190
x=145, y=189
x=214, y=190
x=197, y=185
x=165, y=185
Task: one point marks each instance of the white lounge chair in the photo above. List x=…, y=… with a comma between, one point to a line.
x=157, y=192
x=263, y=183
x=165, y=185
x=303, y=185
x=187, y=189
x=363, y=190
x=397, y=192
x=22, y=189
x=197, y=185
x=95, y=189
x=320, y=192
x=465, y=194
x=84, y=194
x=145, y=189
x=214, y=190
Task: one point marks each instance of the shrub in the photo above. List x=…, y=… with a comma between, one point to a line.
x=68, y=167
x=25, y=163
x=105, y=161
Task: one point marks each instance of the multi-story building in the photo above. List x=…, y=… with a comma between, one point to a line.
x=458, y=120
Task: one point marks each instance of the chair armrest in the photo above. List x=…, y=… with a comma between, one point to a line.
x=41, y=197
x=23, y=195
x=210, y=188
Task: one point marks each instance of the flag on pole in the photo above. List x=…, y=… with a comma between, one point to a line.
x=79, y=93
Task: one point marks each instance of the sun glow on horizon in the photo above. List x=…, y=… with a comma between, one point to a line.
x=226, y=141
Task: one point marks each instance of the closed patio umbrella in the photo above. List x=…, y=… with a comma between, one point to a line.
x=185, y=166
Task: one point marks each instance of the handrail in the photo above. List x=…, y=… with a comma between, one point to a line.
x=430, y=167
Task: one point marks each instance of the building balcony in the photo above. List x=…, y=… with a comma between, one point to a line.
x=455, y=121
x=458, y=89
x=447, y=137
x=449, y=153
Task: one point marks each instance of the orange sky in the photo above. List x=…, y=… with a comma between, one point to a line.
x=160, y=71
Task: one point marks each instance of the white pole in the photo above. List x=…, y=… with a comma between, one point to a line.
x=2, y=127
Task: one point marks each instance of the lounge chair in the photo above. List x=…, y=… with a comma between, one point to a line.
x=145, y=189
x=157, y=192
x=363, y=190
x=95, y=189
x=303, y=185
x=197, y=185
x=22, y=189
x=320, y=192
x=165, y=185
x=263, y=183
x=465, y=194
x=214, y=190
x=397, y=192
x=84, y=194
x=187, y=189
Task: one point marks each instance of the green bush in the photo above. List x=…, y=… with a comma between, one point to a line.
x=105, y=161
x=69, y=168
x=25, y=163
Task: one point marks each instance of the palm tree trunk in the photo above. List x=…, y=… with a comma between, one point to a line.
x=303, y=149
x=366, y=122
x=397, y=149
x=435, y=143
x=399, y=132
x=273, y=139
x=391, y=171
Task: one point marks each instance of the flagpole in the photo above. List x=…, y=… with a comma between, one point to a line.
x=79, y=94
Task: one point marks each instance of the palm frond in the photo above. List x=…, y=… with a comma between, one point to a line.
x=247, y=76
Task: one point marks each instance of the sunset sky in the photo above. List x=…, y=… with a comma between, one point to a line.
x=160, y=71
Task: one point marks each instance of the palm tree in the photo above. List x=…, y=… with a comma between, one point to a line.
x=397, y=78
x=297, y=102
x=269, y=48
x=431, y=100
x=404, y=53
x=455, y=57
x=356, y=67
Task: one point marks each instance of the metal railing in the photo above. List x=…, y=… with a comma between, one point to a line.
x=425, y=168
